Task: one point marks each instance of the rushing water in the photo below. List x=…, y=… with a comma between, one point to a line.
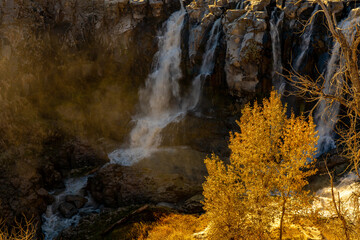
x=305, y=41
x=275, y=25
x=160, y=100
x=345, y=189
x=207, y=65
x=326, y=114
x=53, y=221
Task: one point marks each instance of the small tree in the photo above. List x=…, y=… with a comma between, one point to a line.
x=271, y=158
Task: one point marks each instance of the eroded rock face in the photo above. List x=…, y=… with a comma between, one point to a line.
x=244, y=33
x=293, y=9
x=79, y=21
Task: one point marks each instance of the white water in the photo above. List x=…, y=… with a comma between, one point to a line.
x=207, y=65
x=53, y=221
x=326, y=114
x=275, y=24
x=240, y=4
x=160, y=100
x=346, y=189
x=305, y=41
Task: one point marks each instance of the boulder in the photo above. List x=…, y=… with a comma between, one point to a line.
x=67, y=209
x=77, y=200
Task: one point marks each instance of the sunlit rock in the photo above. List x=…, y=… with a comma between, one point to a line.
x=244, y=37
x=233, y=14
x=294, y=8
x=216, y=10
x=222, y=3
x=335, y=6
x=258, y=5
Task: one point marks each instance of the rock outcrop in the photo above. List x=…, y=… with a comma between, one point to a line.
x=116, y=186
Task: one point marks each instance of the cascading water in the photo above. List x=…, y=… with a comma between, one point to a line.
x=53, y=222
x=207, y=65
x=275, y=24
x=326, y=114
x=305, y=42
x=160, y=100
x=346, y=189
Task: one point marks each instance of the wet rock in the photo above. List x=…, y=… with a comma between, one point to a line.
x=77, y=200
x=42, y=193
x=197, y=33
x=67, y=209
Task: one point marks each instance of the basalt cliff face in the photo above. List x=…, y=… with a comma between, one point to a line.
x=127, y=30
x=70, y=74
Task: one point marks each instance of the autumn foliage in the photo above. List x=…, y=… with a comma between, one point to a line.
x=262, y=188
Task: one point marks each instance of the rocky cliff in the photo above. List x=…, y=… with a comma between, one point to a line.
x=74, y=67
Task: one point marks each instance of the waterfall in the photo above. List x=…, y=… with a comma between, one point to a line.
x=240, y=4
x=160, y=99
x=305, y=41
x=275, y=24
x=207, y=65
x=326, y=114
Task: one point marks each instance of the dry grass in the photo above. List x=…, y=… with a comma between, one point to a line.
x=170, y=227
x=22, y=231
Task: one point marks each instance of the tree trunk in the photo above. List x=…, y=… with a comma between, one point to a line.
x=282, y=217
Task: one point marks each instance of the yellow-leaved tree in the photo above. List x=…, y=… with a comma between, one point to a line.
x=262, y=188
